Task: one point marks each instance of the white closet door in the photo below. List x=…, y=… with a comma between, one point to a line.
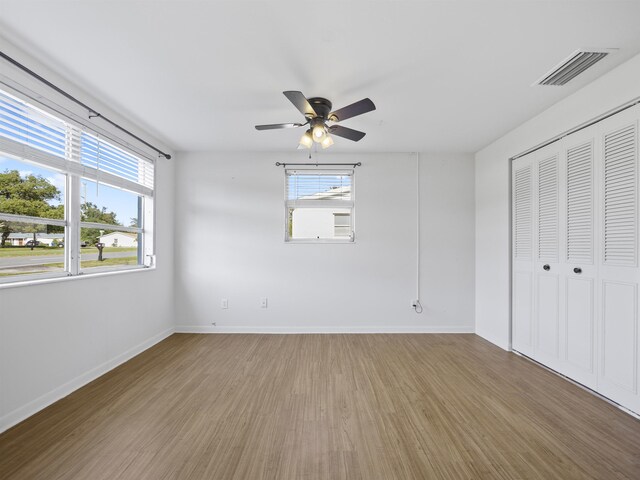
x=522, y=251
x=575, y=255
x=578, y=266
x=619, y=274
x=548, y=289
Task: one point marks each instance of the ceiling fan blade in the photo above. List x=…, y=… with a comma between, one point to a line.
x=345, y=132
x=363, y=106
x=301, y=103
x=275, y=126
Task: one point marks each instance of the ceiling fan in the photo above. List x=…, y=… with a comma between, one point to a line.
x=317, y=112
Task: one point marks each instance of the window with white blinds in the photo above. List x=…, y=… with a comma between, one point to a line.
x=548, y=209
x=522, y=213
x=580, y=203
x=90, y=190
x=620, y=186
x=319, y=205
x=29, y=132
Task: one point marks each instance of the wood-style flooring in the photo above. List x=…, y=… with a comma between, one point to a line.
x=325, y=407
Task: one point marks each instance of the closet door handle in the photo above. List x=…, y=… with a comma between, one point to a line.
x=577, y=270
x=546, y=268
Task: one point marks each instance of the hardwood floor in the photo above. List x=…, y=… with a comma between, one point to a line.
x=325, y=407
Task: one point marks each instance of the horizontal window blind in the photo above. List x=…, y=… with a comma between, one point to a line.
x=28, y=132
x=28, y=125
x=321, y=186
x=102, y=156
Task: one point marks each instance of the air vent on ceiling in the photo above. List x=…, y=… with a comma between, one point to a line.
x=573, y=66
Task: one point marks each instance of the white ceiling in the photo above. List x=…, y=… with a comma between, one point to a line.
x=445, y=76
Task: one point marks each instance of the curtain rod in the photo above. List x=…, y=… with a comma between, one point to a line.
x=92, y=112
x=358, y=164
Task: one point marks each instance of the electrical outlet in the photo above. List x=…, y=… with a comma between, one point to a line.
x=263, y=302
x=224, y=303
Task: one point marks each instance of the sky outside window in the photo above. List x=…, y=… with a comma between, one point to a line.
x=124, y=204
x=26, y=168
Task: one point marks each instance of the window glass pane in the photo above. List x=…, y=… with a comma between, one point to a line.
x=31, y=248
x=118, y=248
x=315, y=186
x=29, y=189
x=28, y=125
x=319, y=223
x=100, y=203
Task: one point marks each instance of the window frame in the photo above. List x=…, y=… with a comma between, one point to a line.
x=308, y=203
x=72, y=166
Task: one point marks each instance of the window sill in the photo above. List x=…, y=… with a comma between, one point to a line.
x=67, y=278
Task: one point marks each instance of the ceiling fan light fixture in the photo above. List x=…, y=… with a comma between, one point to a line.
x=306, y=141
x=319, y=132
x=326, y=142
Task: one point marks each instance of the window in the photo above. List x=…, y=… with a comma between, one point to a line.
x=71, y=201
x=319, y=205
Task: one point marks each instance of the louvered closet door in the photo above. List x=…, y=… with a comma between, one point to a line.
x=522, y=313
x=578, y=267
x=575, y=287
x=618, y=328
x=546, y=271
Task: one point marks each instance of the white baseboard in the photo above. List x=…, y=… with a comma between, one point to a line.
x=19, y=414
x=285, y=330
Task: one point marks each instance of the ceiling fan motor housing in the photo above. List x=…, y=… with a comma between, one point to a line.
x=322, y=106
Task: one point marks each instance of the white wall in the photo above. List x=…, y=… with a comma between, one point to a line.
x=230, y=244
x=54, y=337
x=492, y=186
